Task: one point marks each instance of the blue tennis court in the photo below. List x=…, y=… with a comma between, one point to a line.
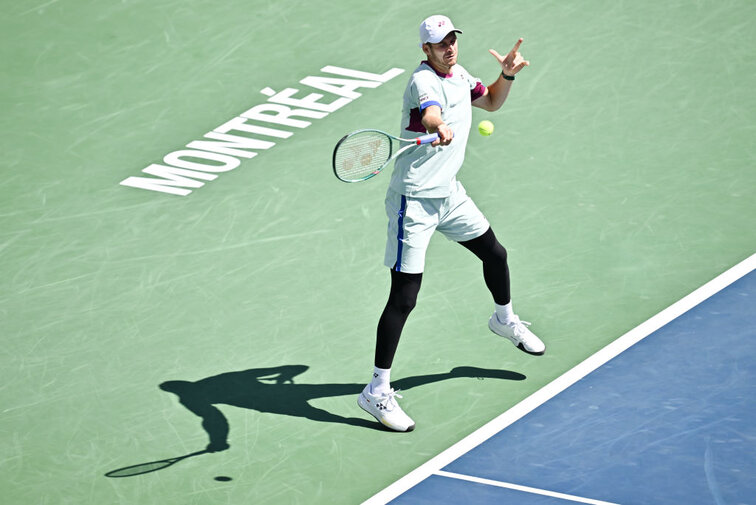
x=667, y=421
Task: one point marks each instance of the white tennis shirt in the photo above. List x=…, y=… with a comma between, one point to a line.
x=425, y=171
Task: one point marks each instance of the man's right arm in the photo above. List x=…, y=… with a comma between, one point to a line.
x=433, y=123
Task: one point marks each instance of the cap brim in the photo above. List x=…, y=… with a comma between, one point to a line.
x=442, y=38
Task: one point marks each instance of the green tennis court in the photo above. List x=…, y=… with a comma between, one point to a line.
x=620, y=177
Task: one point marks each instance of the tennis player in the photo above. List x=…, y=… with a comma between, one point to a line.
x=424, y=196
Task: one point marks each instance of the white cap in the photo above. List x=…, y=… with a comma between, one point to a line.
x=435, y=28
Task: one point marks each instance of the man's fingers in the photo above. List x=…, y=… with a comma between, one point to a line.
x=445, y=135
x=513, y=61
x=516, y=47
x=519, y=67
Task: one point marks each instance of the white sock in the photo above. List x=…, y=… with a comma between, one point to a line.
x=504, y=312
x=381, y=381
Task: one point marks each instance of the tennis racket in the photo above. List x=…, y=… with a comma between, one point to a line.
x=362, y=154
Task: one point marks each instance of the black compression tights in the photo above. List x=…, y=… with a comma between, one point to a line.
x=405, y=287
x=402, y=299
x=495, y=269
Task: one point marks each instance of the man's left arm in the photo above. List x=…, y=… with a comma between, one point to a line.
x=495, y=95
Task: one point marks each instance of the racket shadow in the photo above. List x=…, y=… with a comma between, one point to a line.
x=152, y=466
x=273, y=390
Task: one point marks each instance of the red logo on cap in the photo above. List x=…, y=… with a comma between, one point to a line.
x=441, y=23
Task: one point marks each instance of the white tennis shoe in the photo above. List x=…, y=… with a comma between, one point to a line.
x=517, y=331
x=385, y=409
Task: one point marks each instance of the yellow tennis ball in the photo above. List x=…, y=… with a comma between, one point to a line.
x=485, y=128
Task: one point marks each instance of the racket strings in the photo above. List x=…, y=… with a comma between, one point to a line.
x=361, y=155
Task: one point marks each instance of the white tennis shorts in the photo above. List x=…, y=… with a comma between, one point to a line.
x=412, y=222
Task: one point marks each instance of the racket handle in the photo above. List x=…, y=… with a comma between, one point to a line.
x=427, y=139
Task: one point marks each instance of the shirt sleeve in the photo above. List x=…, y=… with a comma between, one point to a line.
x=426, y=92
x=477, y=89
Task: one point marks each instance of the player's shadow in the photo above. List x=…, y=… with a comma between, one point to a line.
x=273, y=390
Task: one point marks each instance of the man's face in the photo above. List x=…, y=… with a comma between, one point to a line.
x=444, y=54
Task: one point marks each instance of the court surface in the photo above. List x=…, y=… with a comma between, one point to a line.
x=674, y=408
x=233, y=305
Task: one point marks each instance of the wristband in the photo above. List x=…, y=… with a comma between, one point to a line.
x=507, y=77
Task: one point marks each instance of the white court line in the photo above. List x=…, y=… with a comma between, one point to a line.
x=532, y=490
x=563, y=382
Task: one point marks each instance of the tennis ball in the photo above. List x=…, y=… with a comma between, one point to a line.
x=485, y=128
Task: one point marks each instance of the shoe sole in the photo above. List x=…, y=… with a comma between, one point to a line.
x=365, y=408
x=516, y=343
x=522, y=348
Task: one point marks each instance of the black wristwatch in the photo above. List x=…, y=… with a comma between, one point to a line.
x=507, y=77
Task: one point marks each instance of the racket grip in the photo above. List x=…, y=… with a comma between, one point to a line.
x=427, y=139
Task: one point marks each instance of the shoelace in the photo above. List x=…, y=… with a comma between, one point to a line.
x=519, y=326
x=388, y=400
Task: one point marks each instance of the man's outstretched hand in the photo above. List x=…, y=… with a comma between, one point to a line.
x=513, y=62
